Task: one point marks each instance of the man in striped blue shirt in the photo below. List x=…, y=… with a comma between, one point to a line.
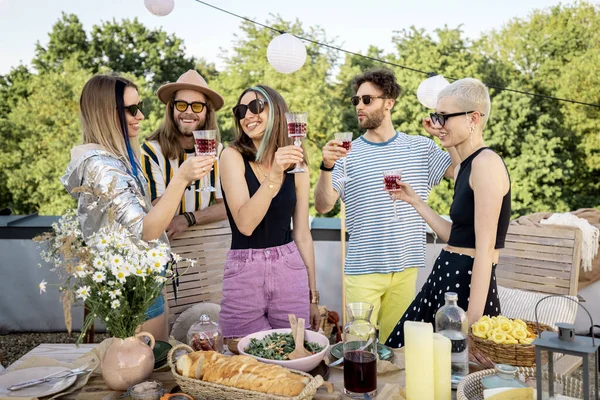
x=383, y=256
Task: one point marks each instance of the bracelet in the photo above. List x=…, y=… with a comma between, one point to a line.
x=324, y=168
x=314, y=297
x=192, y=217
x=187, y=217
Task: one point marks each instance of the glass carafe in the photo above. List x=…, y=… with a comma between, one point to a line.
x=205, y=335
x=360, y=352
x=451, y=322
x=504, y=378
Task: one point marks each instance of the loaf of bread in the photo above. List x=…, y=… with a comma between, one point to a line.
x=242, y=372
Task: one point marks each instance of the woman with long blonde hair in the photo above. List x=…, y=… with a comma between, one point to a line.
x=108, y=163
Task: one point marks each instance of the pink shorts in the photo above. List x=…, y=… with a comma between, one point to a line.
x=261, y=287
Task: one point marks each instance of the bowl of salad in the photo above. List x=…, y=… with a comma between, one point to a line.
x=273, y=347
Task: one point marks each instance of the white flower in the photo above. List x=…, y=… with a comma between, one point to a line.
x=99, y=276
x=115, y=304
x=83, y=292
x=113, y=294
x=101, y=242
x=160, y=279
x=115, y=260
x=99, y=263
x=157, y=266
x=80, y=271
x=127, y=267
x=140, y=271
x=42, y=286
x=121, y=275
x=176, y=257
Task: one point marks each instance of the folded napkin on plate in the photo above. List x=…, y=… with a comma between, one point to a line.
x=90, y=358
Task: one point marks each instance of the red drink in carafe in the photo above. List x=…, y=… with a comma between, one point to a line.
x=360, y=371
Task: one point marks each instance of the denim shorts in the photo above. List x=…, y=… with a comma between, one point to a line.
x=157, y=308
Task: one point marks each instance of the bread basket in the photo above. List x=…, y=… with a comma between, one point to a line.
x=518, y=355
x=207, y=390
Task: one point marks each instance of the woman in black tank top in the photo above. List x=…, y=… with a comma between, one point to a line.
x=480, y=211
x=270, y=271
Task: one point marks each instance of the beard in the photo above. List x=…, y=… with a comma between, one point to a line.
x=373, y=120
x=187, y=130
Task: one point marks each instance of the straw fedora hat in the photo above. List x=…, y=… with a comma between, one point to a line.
x=191, y=80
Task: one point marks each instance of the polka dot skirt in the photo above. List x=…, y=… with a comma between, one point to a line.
x=451, y=273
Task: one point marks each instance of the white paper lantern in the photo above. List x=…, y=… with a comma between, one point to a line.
x=160, y=7
x=286, y=53
x=429, y=89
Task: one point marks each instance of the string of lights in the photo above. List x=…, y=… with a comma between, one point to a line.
x=428, y=73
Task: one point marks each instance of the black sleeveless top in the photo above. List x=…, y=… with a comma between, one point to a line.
x=275, y=228
x=462, y=210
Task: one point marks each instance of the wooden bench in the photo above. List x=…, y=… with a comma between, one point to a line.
x=208, y=245
x=541, y=259
x=544, y=260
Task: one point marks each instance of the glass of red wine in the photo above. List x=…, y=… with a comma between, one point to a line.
x=346, y=139
x=360, y=352
x=389, y=180
x=206, y=145
x=296, y=123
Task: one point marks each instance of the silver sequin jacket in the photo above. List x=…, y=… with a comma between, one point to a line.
x=93, y=167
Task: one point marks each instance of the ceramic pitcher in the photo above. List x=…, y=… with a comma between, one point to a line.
x=128, y=361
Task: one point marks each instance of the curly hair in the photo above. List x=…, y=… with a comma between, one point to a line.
x=383, y=78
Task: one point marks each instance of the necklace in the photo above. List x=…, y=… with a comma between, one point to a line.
x=260, y=170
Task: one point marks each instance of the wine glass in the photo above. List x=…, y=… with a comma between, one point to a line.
x=296, y=123
x=346, y=139
x=205, y=145
x=389, y=180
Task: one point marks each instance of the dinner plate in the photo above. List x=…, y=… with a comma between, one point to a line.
x=385, y=352
x=28, y=374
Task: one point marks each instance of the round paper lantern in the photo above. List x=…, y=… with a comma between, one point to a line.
x=160, y=7
x=429, y=89
x=286, y=53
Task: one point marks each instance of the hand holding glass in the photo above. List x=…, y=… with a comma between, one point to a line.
x=346, y=139
x=296, y=123
x=389, y=180
x=206, y=145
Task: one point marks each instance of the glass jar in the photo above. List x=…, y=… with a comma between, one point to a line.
x=505, y=377
x=205, y=335
x=451, y=322
x=360, y=352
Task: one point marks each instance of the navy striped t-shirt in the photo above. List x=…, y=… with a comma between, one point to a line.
x=377, y=245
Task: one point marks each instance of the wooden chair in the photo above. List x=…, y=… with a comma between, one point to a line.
x=545, y=260
x=541, y=259
x=208, y=245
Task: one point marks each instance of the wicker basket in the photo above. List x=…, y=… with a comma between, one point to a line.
x=213, y=391
x=470, y=388
x=518, y=355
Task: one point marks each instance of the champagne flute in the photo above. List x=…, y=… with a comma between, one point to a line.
x=205, y=145
x=389, y=180
x=296, y=123
x=346, y=139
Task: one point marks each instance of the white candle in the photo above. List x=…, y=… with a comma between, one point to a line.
x=418, y=353
x=442, y=367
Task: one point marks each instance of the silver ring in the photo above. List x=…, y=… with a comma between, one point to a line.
x=203, y=169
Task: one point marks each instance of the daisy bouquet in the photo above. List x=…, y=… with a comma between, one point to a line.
x=115, y=276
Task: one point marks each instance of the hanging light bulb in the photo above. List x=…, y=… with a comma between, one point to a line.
x=160, y=7
x=429, y=89
x=286, y=53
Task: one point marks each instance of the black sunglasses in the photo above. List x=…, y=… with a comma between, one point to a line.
x=134, y=108
x=366, y=99
x=442, y=118
x=256, y=106
x=182, y=106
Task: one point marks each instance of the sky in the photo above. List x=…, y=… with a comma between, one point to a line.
x=208, y=33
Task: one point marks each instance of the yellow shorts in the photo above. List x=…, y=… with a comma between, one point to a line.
x=390, y=295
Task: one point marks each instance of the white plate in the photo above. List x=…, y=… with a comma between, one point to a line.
x=45, y=389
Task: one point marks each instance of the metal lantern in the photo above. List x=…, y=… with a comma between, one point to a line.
x=429, y=89
x=566, y=342
x=286, y=53
x=160, y=7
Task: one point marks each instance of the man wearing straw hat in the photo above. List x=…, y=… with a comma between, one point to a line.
x=190, y=106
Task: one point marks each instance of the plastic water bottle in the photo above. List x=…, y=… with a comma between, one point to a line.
x=451, y=322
